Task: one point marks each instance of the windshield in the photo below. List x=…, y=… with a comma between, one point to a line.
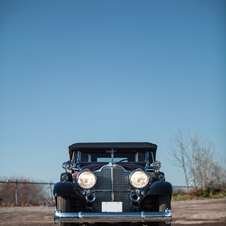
x=117, y=157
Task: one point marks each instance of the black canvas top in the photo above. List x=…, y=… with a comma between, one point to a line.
x=119, y=145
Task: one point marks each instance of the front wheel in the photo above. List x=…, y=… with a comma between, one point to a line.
x=63, y=204
x=164, y=203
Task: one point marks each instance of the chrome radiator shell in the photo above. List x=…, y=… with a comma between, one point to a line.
x=112, y=185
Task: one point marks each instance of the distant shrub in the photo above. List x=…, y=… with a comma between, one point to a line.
x=201, y=194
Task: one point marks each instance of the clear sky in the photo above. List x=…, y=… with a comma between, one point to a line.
x=108, y=70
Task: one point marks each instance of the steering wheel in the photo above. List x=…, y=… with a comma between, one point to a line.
x=123, y=160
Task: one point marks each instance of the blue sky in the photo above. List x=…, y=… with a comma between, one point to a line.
x=100, y=70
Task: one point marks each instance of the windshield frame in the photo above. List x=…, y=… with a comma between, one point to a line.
x=148, y=157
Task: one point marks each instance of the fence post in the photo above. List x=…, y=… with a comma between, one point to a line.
x=50, y=185
x=16, y=192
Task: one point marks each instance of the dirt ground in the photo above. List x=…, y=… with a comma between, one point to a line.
x=187, y=213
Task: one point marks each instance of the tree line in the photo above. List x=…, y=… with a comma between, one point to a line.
x=196, y=157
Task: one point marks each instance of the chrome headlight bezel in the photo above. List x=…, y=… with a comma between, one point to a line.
x=140, y=174
x=90, y=179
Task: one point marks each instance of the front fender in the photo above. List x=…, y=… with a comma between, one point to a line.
x=64, y=189
x=160, y=188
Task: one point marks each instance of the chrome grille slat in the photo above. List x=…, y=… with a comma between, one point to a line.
x=119, y=185
x=103, y=178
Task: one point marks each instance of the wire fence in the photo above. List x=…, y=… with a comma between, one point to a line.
x=182, y=189
x=14, y=192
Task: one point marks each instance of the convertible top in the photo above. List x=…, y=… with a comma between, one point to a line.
x=115, y=145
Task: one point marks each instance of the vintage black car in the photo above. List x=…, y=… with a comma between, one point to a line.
x=112, y=183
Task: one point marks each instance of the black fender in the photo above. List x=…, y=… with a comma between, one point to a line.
x=160, y=188
x=64, y=189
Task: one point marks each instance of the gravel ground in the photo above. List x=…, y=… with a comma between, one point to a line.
x=187, y=213
x=199, y=212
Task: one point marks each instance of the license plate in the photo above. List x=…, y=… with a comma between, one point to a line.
x=112, y=207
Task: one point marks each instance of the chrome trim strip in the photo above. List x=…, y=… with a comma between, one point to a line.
x=112, y=180
x=94, y=217
x=112, y=190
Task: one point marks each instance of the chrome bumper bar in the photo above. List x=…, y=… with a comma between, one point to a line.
x=94, y=217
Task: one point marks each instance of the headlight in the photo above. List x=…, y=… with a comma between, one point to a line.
x=86, y=179
x=139, y=179
x=157, y=165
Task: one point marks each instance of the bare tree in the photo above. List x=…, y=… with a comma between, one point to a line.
x=178, y=150
x=191, y=158
x=7, y=192
x=201, y=161
x=196, y=158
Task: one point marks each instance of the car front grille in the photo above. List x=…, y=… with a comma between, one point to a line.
x=112, y=186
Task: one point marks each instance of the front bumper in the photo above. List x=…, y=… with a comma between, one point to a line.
x=94, y=217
